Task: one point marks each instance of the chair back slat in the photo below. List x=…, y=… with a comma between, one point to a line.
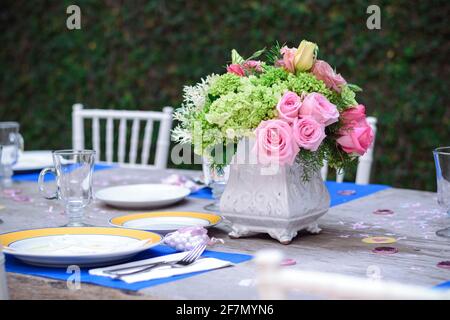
x=96, y=137
x=77, y=127
x=134, y=141
x=147, y=142
x=79, y=115
x=122, y=140
x=162, y=146
x=109, y=140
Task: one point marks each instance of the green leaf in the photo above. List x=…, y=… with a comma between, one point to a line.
x=354, y=87
x=256, y=54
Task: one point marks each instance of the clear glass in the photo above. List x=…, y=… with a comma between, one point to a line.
x=442, y=162
x=73, y=170
x=216, y=179
x=12, y=143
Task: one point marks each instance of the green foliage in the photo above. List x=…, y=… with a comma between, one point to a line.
x=139, y=55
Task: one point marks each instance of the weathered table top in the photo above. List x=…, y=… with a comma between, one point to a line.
x=338, y=248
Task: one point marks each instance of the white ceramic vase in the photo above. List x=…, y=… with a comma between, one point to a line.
x=273, y=200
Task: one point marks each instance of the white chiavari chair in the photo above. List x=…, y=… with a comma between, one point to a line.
x=275, y=282
x=124, y=117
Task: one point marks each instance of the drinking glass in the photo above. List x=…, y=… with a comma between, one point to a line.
x=12, y=143
x=442, y=162
x=73, y=171
x=215, y=178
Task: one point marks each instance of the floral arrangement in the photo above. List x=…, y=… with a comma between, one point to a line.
x=295, y=106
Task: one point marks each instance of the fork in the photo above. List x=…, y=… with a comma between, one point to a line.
x=190, y=258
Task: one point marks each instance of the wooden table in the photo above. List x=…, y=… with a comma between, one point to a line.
x=338, y=248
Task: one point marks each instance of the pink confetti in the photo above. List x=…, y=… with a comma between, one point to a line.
x=346, y=192
x=288, y=262
x=11, y=192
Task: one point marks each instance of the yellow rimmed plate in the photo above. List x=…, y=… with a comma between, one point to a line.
x=86, y=246
x=166, y=221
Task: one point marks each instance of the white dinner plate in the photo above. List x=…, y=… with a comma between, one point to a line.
x=140, y=196
x=86, y=246
x=33, y=160
x=166, y=221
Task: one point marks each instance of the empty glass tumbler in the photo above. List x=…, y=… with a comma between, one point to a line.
x=12, y=143
x=442, y=162
x=73, y=170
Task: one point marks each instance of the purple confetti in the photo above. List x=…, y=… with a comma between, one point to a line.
x=21, y=198
x=383, y=212
x=444, y=264
x=346, y=192
x=385, y=250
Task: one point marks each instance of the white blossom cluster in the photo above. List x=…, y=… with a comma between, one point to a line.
x=194, y=99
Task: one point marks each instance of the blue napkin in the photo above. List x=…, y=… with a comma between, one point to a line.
x=333, y=188
x=16, y=266
x=34, y=175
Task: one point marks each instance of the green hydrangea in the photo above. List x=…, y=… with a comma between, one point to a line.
x=304, y=82
x=224, y=84
x=271, y=76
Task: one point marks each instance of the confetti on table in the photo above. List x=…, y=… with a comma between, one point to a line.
x=12, y=192
x=410, y=205
x=383, y=212
x=288, y=262
x=359, y=225
x=21, y=198
x=444, y=264
x=379, y=240
x=385, y=250
x=346, y=192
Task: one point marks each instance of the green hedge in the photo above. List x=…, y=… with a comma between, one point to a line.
x=139, y=54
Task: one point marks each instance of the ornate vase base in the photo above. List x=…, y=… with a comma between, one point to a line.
x=283, y=230
x=274, y=200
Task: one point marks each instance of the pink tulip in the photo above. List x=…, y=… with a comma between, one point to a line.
x=236, y=69
x=288, y=58
x=274, y=143
x=322, y=110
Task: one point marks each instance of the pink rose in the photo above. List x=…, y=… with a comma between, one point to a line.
x=317, y=106
x=355, y=114
x=323, y=71
x=288, y=58
x=308, y=133
x=253, y=65
x=236, y=69
x=274, y=143
x=289, y=106
x=356, y=137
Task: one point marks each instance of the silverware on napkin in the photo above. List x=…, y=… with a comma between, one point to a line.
x=188, y=259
